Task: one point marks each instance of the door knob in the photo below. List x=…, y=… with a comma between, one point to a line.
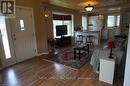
x=14, y=38
x=14, y=35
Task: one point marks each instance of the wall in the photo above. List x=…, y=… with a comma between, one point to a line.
x=77, y=20
x=43, y=26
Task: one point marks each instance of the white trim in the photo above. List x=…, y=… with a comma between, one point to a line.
x=61, y=13
x=45, y=53
x=127, y=65
x=34, y=33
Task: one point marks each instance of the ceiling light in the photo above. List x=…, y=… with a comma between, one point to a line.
x=89, y=8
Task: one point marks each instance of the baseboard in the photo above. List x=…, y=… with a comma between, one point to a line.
x=44, y=53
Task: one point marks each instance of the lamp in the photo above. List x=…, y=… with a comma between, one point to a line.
x=111, y=45
x=89, y=8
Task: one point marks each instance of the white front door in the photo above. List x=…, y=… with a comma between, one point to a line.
x=23, y=34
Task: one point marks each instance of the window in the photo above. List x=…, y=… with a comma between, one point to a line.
x=118, y=20
x=21, y=22
x=5, y=40
x=113, y=20
x=84, y=23
x=60, y=22
x=63, y=20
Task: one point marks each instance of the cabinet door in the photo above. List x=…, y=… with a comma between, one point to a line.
x=107, y=67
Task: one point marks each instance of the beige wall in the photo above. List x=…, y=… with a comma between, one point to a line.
x=77, y=19
x=44, y=27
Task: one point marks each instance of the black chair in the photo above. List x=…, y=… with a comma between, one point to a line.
x=79, y=39
x=90, y=39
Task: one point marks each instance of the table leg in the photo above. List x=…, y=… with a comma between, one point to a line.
x=88, y=49
x=74, y=53
x=79, y=54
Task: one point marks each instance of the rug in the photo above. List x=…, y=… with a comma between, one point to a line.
x=66, y=57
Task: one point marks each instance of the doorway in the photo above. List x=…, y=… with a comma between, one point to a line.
x=18, y=42
x=23, y=34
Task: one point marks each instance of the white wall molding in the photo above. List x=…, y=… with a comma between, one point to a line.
x=127, y=68
x=44, y=53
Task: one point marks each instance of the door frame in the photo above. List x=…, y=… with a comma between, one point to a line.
x=33, y=26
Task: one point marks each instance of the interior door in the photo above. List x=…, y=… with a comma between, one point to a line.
x=23, y=34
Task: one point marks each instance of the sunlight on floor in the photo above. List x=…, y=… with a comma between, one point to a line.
x=11, y=77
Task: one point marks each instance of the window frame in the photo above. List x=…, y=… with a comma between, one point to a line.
x=85, y=26
x=63, y=22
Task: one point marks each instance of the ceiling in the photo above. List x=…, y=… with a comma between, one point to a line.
x=99, y=5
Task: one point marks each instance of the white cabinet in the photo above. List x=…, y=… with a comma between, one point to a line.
x=107, y=67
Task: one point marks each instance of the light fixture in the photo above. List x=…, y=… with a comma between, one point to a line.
x=46, y=13
x=89, y=7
